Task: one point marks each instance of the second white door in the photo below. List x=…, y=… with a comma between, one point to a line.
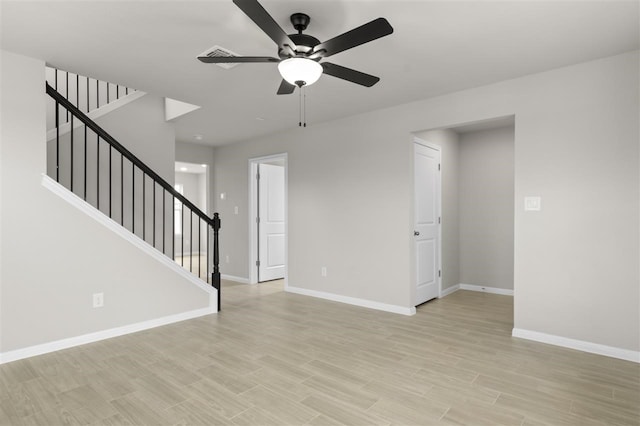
x=271, y=229
x=427, y=222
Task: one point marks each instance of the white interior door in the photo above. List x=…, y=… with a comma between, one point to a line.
x=271, y=229
x=427, y=222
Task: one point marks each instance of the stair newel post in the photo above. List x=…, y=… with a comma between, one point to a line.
x=215, y=277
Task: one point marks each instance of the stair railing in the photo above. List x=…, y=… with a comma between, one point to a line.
x=112, y=179
x=87, y=94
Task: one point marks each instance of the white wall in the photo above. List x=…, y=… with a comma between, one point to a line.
x=576, y=264
x=48, y=275
x=487, y=207
x=448, y=141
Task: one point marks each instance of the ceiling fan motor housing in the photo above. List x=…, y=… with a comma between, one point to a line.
x=304, y=42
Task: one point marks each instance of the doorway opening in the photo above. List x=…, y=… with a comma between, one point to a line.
x=190, y=247
x=268, y=218
x=477, y=205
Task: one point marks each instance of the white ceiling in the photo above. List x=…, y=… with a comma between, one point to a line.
x=437, y=47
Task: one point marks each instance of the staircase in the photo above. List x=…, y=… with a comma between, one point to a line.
x=90, y=163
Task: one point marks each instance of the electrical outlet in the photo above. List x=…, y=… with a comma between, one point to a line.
x=98, y=300
x=323, y=271
x=533, y=204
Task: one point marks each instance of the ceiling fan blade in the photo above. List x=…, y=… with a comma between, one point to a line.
x=261, y=17
x=363, y=34
x=235, y=59
x=286, y=88
x=349, y=74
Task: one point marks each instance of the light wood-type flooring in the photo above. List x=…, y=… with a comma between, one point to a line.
x=274, y=358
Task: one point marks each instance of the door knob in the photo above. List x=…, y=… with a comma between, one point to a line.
x=416, y=233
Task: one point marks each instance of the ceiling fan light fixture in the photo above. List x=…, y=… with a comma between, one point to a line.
x=295, y=70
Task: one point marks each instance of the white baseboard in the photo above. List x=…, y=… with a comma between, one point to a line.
x=581, y=345
x=353, y=301
x=485, y=289
x=234, y=278
x=101, y=335
x=449, y=290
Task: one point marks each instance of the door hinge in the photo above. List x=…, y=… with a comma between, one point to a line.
x=257, y=263
x=258, y=176
x=439, y=273
x=438, y=166
x=438, y=219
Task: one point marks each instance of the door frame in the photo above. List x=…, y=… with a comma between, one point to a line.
x=253, y=213
x=417, y=140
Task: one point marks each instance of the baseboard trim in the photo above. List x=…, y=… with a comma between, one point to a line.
x=580, y=345
x=234, y=278
x=101, y=335
x=485, y=289
x=353, y=301
x=448, y=291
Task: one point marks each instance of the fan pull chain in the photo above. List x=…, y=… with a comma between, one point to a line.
x=304, y=110
x=300, y=107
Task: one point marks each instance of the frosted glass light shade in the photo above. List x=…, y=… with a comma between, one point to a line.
x=300, y=69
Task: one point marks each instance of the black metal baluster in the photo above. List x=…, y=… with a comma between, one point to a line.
x=133, y=198
x=97, y=94
x=67, y=79
x=216, y=257
x=108, y=84
x=126, y=92
x=208, y=252
x=199, y=242
x=84, y=186
x=164, y=207
x=97, y=171
x=121, y=189
x=173, y=228
x=182, y=233
x=191, y=241
x=56, y=86
x=110, y=151
x=71, y=173
x=117, y=91
x=77, y=91
x=57, y=140
x=88, y=106
x=144, y=203
x=153, y=214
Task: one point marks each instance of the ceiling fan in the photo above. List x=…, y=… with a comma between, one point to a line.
x=300, y=54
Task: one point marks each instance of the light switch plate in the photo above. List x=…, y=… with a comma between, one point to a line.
x=532, y=204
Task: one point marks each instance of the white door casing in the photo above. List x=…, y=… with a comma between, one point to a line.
x=271, y=222
x=427, y=222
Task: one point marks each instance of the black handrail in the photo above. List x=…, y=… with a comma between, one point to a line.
x=126, y=153
x=211, y=224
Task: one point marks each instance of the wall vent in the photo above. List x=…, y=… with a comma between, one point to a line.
x=218, y=51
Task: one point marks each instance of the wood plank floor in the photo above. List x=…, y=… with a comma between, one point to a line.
x=273, y=358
